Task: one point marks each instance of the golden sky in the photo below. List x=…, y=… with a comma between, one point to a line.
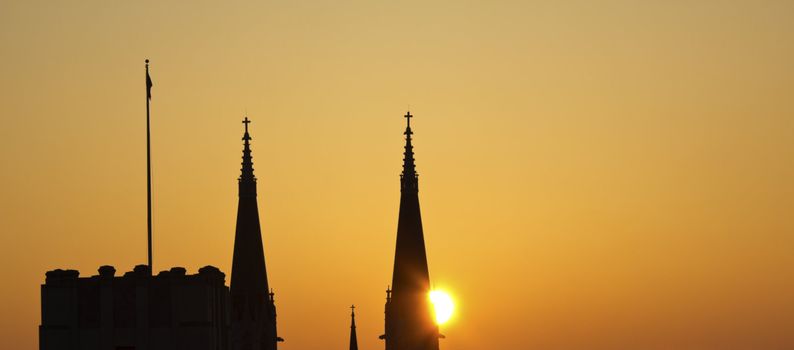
x=613, y=175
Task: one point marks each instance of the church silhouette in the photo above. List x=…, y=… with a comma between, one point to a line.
x=176, y=310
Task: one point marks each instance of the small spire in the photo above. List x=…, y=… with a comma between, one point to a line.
x=353, y=337
x=409, y=178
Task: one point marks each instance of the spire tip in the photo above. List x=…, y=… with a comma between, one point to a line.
x=246, y=121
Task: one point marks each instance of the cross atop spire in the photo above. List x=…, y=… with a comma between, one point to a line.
x=246, y=122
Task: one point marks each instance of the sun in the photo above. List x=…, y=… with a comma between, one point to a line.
x=443, y=305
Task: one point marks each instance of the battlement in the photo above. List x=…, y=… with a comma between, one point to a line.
x=138, y=310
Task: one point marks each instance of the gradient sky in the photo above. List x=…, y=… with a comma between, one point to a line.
x=613, y=175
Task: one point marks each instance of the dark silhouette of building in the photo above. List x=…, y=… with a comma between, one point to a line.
x=253, y=307
x=353, y=337
x=136, y=311
x=172, y=310
x=409, y=314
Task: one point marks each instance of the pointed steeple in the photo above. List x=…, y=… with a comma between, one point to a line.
x=353, y=337
x=253, y=306
x=410, y=260
x=409, y=320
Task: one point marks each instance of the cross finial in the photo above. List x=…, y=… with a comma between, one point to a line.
x=408, y=117
x=246, y=122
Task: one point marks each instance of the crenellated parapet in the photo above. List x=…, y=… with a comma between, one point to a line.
x=137, y=309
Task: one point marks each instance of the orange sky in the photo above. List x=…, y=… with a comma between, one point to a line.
x=594, y=175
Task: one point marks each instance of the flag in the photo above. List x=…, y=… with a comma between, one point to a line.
x=148, y=85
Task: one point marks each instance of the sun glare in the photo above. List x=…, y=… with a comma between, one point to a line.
x=443, y=305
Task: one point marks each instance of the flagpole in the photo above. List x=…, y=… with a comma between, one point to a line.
x=148, y=169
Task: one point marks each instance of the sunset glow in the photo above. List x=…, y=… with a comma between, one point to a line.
x=600, y=175
x=443, y=305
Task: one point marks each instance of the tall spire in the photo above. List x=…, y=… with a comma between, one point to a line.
x=353, y=337
x=409, y=317
x=410, y=260
x=253, y=306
